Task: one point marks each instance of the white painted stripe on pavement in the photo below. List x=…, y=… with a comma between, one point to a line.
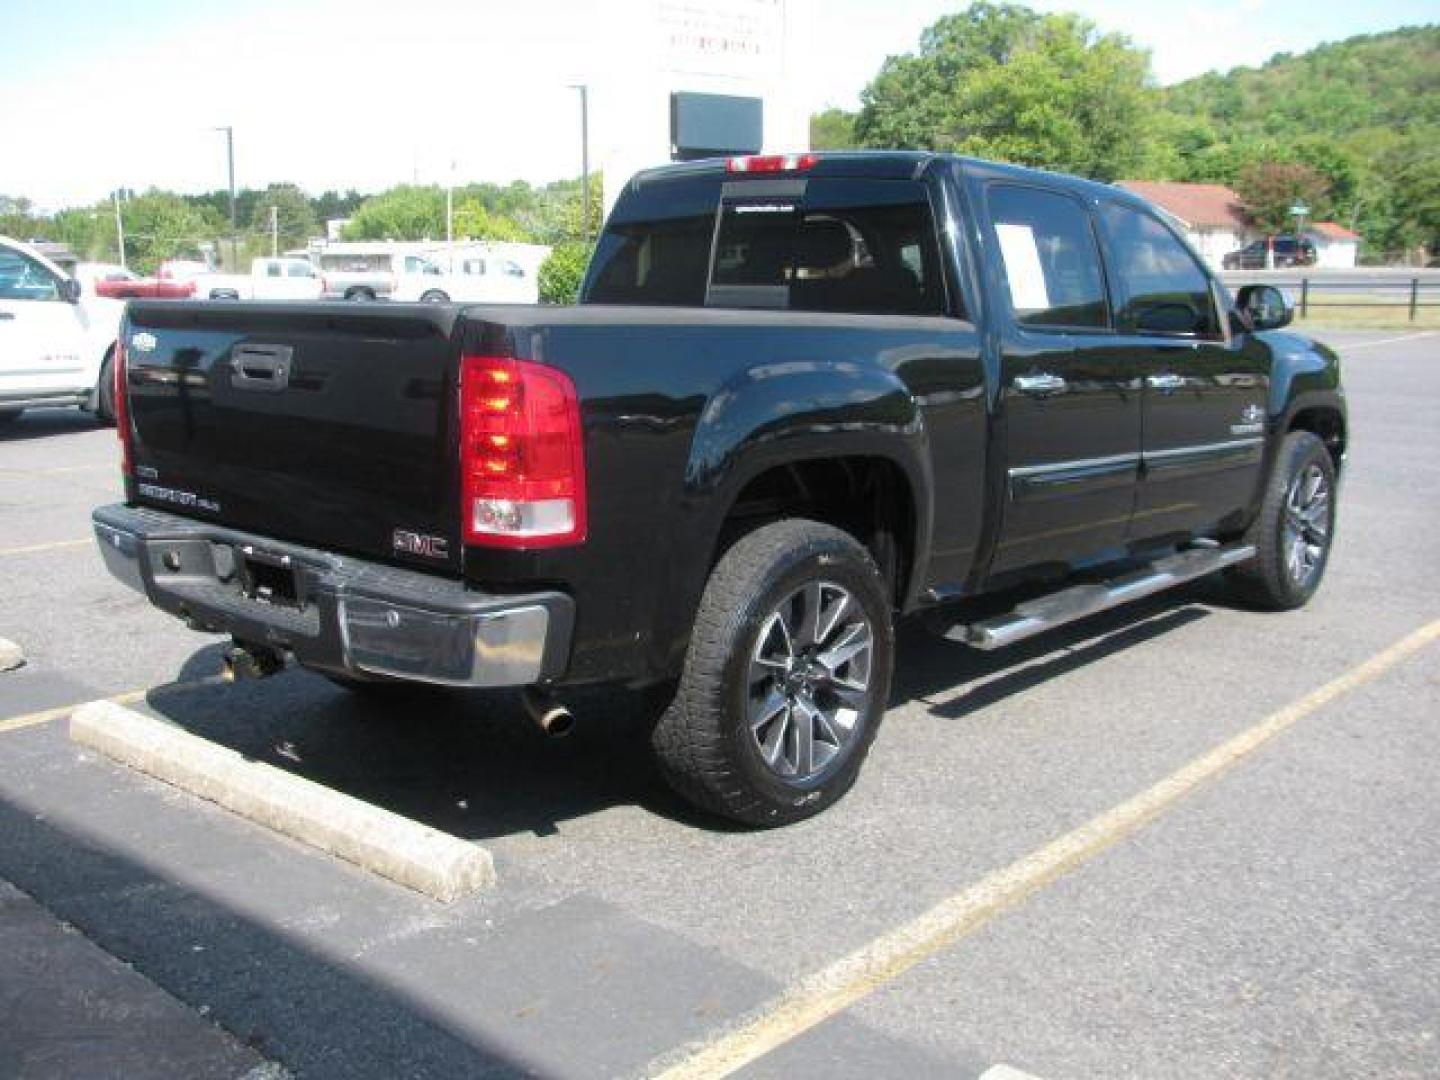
x=850, y=979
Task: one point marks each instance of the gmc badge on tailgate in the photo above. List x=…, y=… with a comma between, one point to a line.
x=406, y=542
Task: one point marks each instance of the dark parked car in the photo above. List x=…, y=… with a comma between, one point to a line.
x=801, y=397
x=1289, y=251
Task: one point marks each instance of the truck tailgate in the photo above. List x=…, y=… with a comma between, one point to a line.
x=324, y=424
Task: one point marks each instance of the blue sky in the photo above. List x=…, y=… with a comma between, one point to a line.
x=105, y=92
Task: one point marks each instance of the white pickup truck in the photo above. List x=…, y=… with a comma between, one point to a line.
x=56, y=338
x=269, y=279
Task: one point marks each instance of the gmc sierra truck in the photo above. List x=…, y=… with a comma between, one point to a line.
x=800, y=397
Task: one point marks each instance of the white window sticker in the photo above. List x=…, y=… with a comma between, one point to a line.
x=1022, y=267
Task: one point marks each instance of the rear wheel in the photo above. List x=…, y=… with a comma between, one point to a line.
x=359, y=295
x=1293, y=532
x=434, y=296
x=786, y=678
x=105, y=392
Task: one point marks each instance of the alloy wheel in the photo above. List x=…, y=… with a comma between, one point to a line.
x=1307, y=525
x=809, y=681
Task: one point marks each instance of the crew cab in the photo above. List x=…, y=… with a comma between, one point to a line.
x=269, y=279
x=56, y=342
x=801, y=397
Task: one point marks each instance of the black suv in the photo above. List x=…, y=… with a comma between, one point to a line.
x=1289, y=251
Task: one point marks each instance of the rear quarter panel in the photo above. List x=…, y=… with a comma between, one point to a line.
x=682, y=407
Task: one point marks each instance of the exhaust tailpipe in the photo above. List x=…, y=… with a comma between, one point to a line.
x=553, y=718
x=241, y=660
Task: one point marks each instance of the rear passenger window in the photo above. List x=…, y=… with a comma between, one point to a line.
x=1163, y=288
x=1048, y=251
x=861, y=246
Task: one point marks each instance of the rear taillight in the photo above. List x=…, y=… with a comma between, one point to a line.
x=521, y=457
x=121, y=405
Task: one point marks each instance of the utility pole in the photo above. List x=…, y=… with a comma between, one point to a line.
x=230, y=160
x=274, y=231
x=584, y=158
x=119, y=228
x=450, y=218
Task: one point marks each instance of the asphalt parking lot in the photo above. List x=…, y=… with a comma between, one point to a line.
x=1280, y=916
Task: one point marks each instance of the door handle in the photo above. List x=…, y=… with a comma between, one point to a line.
x=1044, y=383
x=1165, y=383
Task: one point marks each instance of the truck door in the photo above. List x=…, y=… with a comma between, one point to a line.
x=42, y=340
x=1205, y=394
x=1070, y=399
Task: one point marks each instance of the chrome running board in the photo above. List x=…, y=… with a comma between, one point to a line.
x=1047, y=612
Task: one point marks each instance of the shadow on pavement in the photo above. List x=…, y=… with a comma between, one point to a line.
x=42, y=423
x=474, y=765
x=286, y=1002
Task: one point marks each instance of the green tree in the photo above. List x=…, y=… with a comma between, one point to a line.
x=1002, y=81
x=562, y=273
x=1271, y=188
x=474, y=221
x=160, y=225
x=833, y=129
x=406, y=212
x=18, y=219
x=293, y=213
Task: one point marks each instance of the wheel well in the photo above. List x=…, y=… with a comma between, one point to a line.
x=1328, y=425
x=868, y=497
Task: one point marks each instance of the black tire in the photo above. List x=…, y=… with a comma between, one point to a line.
x=434, y=296
x=703, y=742
x=105, y=392
x=1281, y=577
x=360, y=295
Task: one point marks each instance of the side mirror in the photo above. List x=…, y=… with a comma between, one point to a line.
x=70, y=290
x=1265, y=307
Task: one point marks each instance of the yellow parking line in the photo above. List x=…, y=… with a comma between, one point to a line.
x=848, y=980
x=54, y=545
x=129, y=697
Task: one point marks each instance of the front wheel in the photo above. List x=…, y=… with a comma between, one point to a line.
x=434, y=296
x=785, y=680
x=1295, y=527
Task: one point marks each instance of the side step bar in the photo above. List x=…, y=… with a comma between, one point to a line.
x=1047, y=612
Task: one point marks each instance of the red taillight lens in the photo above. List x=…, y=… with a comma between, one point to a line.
x=522, y=461
x=121, y=405
x=768, y=163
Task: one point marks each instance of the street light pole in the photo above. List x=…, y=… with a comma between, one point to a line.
x=230, y=160
x=119, y=229
x=584, y=158
x=274, y=232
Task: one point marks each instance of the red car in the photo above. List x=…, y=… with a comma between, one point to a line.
x=118, y=283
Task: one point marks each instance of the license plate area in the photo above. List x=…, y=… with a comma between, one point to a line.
x=269, y=579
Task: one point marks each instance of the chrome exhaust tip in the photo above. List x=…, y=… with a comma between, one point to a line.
x=550, y=716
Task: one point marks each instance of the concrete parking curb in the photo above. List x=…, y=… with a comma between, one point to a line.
x=441, y=866
x=11, y=655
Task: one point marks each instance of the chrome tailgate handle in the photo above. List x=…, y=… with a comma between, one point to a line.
x=1044, y=383
x=265, y=368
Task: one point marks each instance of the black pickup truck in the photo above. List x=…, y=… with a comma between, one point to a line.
x=801, y=397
